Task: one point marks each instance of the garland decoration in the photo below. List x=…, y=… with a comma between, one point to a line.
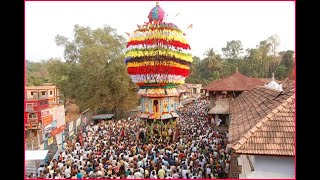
x=157, y=53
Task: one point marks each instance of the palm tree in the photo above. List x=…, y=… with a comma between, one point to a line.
x=212, y=60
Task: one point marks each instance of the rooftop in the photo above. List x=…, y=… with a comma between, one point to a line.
x=235, y=82
x=40, y=87
x=262, y=122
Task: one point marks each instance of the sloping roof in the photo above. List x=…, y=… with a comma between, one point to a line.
x=287, y=84
x=262, y=122
x=235, y=82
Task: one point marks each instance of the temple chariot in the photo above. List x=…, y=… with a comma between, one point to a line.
x=158, y=58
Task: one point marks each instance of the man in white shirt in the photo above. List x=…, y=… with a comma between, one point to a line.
x=208, y=171
x=218, y=122
x=138, y=175
x=39, y=169
x=212, y=121
x=67, y=172
x=184, y=173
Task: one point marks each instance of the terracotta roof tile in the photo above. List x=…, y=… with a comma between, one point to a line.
x=262, y=122
x=235, y=82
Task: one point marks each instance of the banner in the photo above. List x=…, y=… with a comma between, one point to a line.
x=53, y=121
x=47, y=117
x=50, y=141
x=59, y=115
x=57, y=130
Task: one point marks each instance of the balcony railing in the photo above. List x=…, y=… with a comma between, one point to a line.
x=32, y=120
x=36, y=97
x=29, y=110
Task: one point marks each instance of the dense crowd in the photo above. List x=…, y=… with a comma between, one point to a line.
x=118, y=150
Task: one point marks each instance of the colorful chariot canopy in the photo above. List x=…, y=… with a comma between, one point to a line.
x=157, y=53
x=156, y=14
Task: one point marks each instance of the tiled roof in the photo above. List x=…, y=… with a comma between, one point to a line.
x=235, y=82
x=262, y=122
x=287, y=84
x=267, y=80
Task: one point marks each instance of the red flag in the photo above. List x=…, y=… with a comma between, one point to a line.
x=190, y=26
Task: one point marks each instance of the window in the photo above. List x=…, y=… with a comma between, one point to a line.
x=32, y=115
x=41, y=103
x=29, y=106
x=50, y=92
x=46, y=102
x=43, y=93
x=31, y=93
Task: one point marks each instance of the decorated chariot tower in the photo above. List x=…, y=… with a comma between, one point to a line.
x=158, y=58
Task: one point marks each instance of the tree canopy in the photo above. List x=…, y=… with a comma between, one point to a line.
x=94, y=74
x=259, y=62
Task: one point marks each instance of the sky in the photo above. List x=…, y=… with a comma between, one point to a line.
x=213, y=22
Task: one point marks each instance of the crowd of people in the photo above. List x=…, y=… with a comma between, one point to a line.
x=119, y=150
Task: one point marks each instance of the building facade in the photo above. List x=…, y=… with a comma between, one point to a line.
x=262, y=133
x=221, y=92
x=39, y=101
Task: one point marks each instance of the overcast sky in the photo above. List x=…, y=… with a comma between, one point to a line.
x=214, y=23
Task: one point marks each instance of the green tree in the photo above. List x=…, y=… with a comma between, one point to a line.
x=281, y=72
x=287, y=58
x=264, y=49
x=65, y=75
x=194, y=76
x=94, y=74
x=36, y=73
x=233, y=49
x=274, y=42
x=208, y=65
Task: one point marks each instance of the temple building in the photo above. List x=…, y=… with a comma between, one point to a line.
x=222, y=91
x=262, y=132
